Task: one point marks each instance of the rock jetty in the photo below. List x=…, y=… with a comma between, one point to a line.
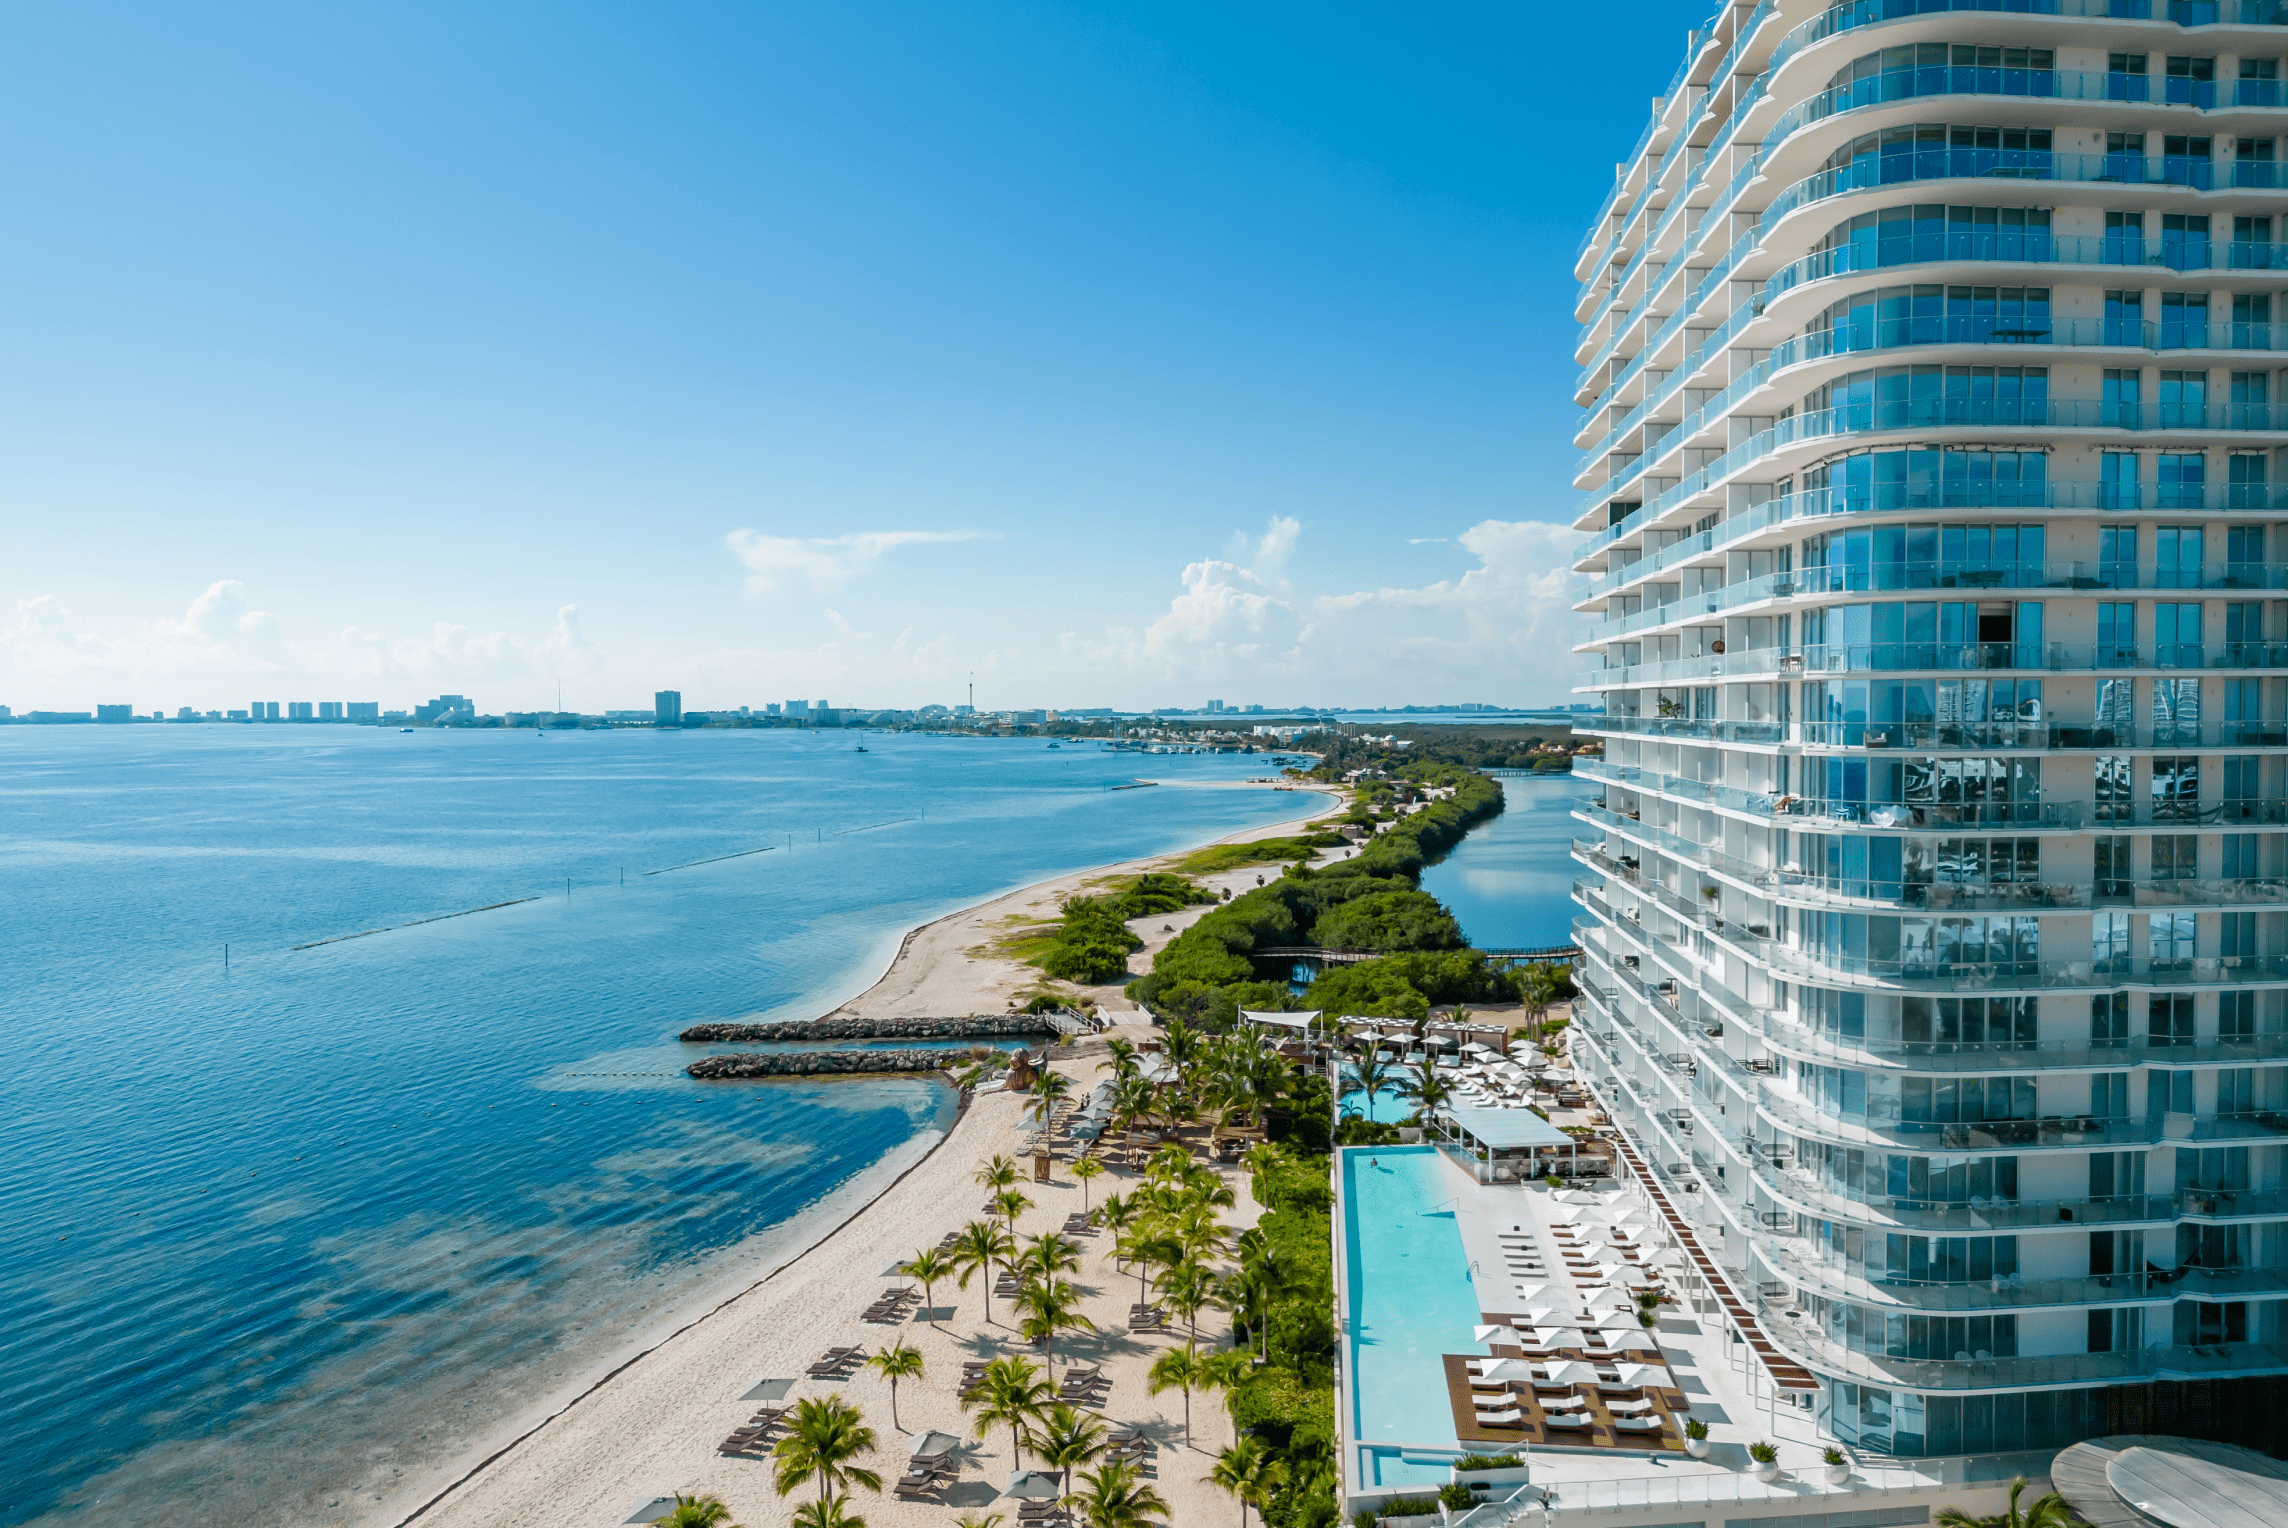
x=970, y=1027
x=824, y=1063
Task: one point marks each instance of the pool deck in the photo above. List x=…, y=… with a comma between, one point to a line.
x=1598, y=1471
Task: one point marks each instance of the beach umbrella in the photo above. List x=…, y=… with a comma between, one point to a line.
x=1667, y=1257
x=1564, y=1337
x=1636, y=1339
x=1504, y=1335
x=1571, y=1372
x=1632, y=1277
x=1574, y=1196
x=1504, y=1371
x=1606, y=1298
x=1642, y=1374
x=930, y=1444
x=1033, y=1485
x=1532, y=1292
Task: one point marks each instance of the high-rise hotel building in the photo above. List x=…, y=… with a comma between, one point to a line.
x=1933, y=450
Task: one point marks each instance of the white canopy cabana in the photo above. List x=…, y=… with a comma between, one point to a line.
x=1288, y=1021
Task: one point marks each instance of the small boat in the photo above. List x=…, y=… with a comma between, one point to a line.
x=861, y=748
x=1056, y=745
x=405, y=729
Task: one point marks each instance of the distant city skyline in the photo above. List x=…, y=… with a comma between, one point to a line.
x=1134, y=354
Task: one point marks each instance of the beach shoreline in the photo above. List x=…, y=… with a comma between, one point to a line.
x=938, y=968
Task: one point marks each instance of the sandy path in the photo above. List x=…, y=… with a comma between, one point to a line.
x=650, y=1430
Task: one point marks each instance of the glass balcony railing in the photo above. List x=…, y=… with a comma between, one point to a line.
x=1888, y=416
x=1795, y=1260
x=1929, y=164
x=2046, y=735
x=1853, y=14
x=1795, y=1187
x=1795, y=1335
x=1937, y=1056
x=2067, y=815
x=1954, y=658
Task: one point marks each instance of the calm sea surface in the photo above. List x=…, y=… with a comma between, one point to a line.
x=283, y=1246
x=1509, y=883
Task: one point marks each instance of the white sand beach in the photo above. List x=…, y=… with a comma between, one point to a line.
x=651, y=1429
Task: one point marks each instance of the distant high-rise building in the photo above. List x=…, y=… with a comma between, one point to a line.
x=300, y=711
x=115, y=713
x=362, y=710
x=667, y=708
x=820, y=705
x=329, y=710
x=264, y=711
x=186, y=714
x=772, y=709
x=444, y=708
x=798, y=709
x=1215, y=707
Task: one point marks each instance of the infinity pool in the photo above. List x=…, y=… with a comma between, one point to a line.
x=1411, y=1300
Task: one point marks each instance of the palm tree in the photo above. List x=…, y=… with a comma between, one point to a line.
x=1050, y=1307
x=1008, y=1394
x=1049, y=1090
x=1148, y=1249
x=1186, y=1047
x=1179, y=1369
x=1120, y=1059
x=1227, y=1371
x=981, y=1245
x=1188, y=1288
x=895, y=1363
x=1369, y=1074
x=826, y=1514
x=827, y=1434
x=1133, y=1099
x=928, y=1266
x=1117, y=1498
x=1428, y=1090
x=2048, y=1511
x=698, y=1512
x=1047, y=1255
x=1248, y=1472
x=1009, y=1204
x=997, y=1173
x=1543, y=986
x=1085, y=1169
x=1068, y=1438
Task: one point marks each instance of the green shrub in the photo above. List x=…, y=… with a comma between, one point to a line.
x=1410, y=1506
x=1469, y=1462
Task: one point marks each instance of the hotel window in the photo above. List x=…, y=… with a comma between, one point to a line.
x=1948, y=1259
x=2124, y=238
x=2117, y=544
x=2169, y=1019
x=2259, y=83
x=1965, y=1100
x=2119, y=404
x=2236, y=1016
x=2184, y=319
x=2251, y=323
x=2120, y=1330
x=1934, y=231
x=2109, y=1095
x=2180, y=478
x=2236, y=936
x=2236, y=1090
x=1929, y=314
x=2167, y=1092
x=2184, y=399
x=2200, y=1324
x=2125, y=78
x=2125, y=319
x=2170, y=941
x=2125, y=157
x=2252, y=163
x=2243, y=629
x=2176, y=856
x=2244, y=476
x=2244, y=551
x=2177, y=557
x=2176, y=783
x=2243, y=782
x=2222, y=1168
x=2109, y=1021
x=2252, y=247
x=1946, y=1022
x=2115, y=875
x=2190, y=81
x=2185, y=241
x=2116, y=634
x=2115, y=794
x=2116, y=1174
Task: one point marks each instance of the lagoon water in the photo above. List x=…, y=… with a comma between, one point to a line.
x=1509, y=883
x=285, y=1245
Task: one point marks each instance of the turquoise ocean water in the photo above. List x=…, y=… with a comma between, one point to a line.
x=286, y=1245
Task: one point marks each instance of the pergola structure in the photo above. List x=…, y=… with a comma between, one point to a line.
x=1486, y=1132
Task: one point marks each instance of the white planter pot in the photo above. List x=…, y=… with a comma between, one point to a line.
x=1696, y=1447
x=1768, y=1472
x=1513, y=1476
x=1839, y=1474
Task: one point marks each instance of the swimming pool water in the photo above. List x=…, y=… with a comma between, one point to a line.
x=1411, y=1300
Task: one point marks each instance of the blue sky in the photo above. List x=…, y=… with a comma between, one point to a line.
x=1124, y=355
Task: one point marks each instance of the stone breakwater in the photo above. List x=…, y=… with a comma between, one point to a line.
x=974, y=1026
x=824, y=1063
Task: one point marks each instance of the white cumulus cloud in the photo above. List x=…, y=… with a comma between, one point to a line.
x=827, y=562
